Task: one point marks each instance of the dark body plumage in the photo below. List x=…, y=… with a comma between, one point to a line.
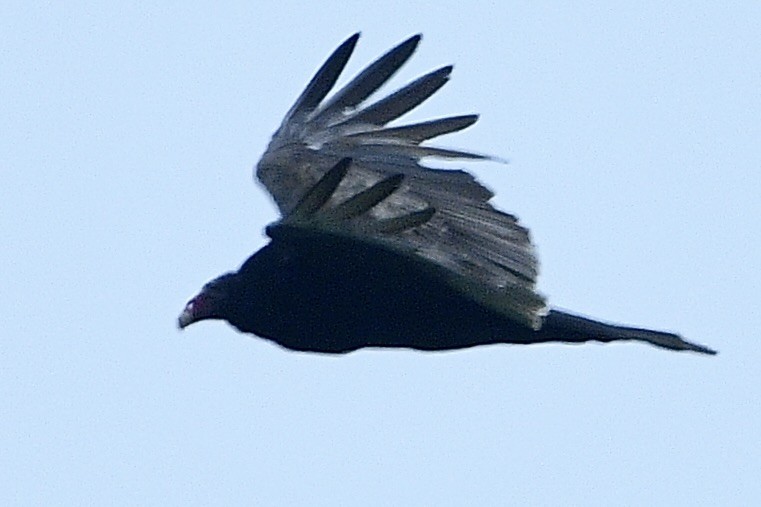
x=339, y=297
x=374, y=250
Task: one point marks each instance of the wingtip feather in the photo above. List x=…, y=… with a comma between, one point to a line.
x=322, y=191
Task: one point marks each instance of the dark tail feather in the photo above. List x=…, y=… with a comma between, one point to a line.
x=566, y=327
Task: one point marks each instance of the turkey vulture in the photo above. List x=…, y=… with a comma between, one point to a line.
x=375, y=250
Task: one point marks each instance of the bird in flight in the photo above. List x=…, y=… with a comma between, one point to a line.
x=375, y=250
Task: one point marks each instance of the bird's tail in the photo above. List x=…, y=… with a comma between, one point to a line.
x=566, y=327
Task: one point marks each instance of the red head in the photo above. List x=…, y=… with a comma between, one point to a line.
x=210, y=303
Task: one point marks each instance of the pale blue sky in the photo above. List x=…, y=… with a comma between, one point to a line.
x=127, y=138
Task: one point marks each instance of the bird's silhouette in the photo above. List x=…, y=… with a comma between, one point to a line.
x=375, y=250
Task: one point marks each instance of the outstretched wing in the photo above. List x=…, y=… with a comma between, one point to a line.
x=466, y=236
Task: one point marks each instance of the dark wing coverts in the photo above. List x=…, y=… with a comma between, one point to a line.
x=487, y=252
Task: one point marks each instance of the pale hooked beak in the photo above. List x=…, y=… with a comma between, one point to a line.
x=186, y=317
